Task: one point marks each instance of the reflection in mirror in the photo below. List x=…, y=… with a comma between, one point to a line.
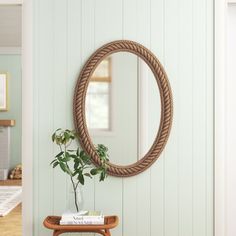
x=123, y=101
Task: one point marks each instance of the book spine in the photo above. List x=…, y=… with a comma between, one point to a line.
x=81, y=222
x=81, y=218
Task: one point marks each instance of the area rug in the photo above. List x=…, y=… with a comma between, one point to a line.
x=10, y=197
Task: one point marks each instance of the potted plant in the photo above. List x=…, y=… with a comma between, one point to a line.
x=75, y=162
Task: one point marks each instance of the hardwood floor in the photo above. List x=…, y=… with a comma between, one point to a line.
x=11, y=224
x=10, y=182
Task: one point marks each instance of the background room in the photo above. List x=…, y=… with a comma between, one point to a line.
x=10, y=119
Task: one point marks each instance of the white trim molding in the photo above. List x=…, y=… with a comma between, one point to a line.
x=225, y=113
x=10, y=50
x=220, y=117
x=27, y=116
x=11, y=2
x=230, y=114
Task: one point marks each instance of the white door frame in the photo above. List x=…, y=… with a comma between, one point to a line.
x=27, y=112
x=222, y=114
x=219, y=65
x=27, y=116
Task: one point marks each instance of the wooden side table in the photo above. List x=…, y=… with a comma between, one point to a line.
x=53, y=223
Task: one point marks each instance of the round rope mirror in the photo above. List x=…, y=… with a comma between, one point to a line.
x=166, y=110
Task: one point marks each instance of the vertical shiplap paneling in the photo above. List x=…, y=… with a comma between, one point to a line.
x=171, y=158
x=59, y=94
x=199, y=120
x=108, y=198
x=35, y=148
x=175, y=195
x=143, y=179
x=73, y=64
x=87, y=48
x=129, y=21
x=129, y=205
x=88, y=29
x=157, y=169
x=209, y=27
x=45, y=110
x=108, y=27
x=108, y=21
x=185, y=117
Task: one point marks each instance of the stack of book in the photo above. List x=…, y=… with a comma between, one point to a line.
x=82, y=218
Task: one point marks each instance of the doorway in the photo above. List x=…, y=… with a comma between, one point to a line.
x=10, y=119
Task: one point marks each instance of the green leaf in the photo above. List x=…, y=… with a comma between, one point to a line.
x=53, y=137
x=58, y=140
x=82, y=153
x=63, y=166
x=76, y=165
x=53, y=161
x=55, y=164
x=68, y=171
x=88, y=175
x=81, y=178
x=94, y=171
x=70, y=150
x=66, y=159
x=73, y=156
x=59, y=154
x=78, y=151
x=67, y=137
x=102, y=176
x=60, y=158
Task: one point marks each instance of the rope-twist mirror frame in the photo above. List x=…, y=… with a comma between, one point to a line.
x=166, y=106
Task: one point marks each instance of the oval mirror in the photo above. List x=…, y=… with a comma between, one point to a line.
x=118, y=102
x=123, y=100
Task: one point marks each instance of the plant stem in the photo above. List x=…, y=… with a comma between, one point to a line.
x=73, y=184
x=75, y=193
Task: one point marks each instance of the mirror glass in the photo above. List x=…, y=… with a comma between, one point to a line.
x=123, y=107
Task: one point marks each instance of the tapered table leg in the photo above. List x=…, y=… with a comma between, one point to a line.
x=57, y=232
x=107, y=232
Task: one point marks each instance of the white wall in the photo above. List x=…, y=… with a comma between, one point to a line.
x=175, y=195
x=230, y=159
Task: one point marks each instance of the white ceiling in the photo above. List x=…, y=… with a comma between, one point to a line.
x=10, y=26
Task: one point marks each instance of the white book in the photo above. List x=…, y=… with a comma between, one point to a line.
x=82, y=217
x=89, y=215
x=82, y=222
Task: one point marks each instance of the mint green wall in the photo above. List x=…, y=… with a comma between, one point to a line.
x=12, y=65
x=175, y=196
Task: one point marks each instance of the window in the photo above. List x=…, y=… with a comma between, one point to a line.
x=98, y=97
